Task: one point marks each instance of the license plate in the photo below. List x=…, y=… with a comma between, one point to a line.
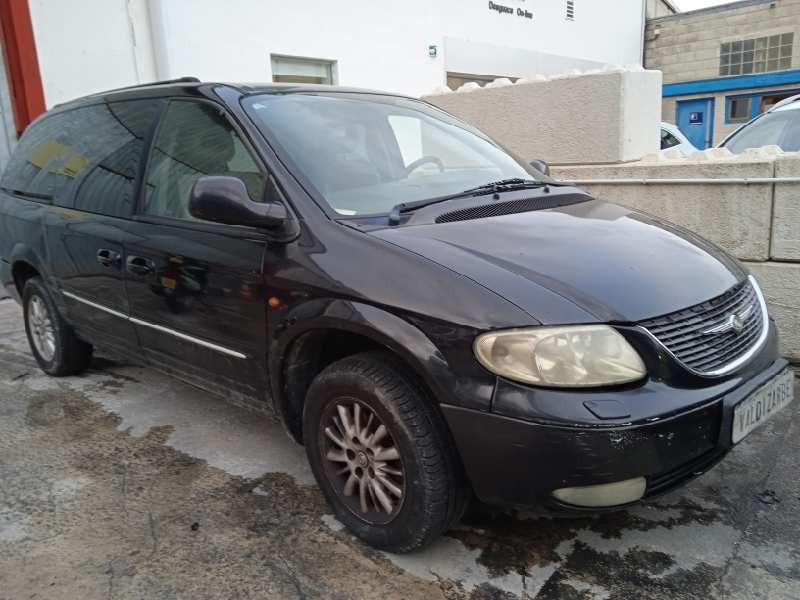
x=762, y=404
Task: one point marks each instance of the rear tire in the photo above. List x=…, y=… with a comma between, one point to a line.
x=397, y=463
x=54, y=344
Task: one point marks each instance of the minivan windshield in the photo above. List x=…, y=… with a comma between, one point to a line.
x=780, y=127
x=366, y=153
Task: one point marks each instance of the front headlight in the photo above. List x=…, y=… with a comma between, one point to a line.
x=566, y=356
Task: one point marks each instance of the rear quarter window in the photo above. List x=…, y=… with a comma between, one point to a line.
x=87, y=158
x=33, y=169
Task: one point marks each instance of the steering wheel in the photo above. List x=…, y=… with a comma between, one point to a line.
x=424, y=160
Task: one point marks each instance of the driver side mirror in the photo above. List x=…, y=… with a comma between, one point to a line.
x=540, y=166
x=222, y=199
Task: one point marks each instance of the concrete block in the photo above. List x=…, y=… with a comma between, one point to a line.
x=735, y=217
x=786, y=212
x=780, y=283
x=552, y=119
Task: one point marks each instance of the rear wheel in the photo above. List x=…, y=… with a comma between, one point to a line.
x=55, y=346
x=379, y=452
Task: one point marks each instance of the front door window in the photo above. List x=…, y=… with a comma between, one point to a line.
x=195, y=140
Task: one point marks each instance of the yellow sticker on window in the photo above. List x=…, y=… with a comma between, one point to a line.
x=73, y=162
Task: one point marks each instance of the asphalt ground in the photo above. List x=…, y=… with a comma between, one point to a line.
x=124, y=483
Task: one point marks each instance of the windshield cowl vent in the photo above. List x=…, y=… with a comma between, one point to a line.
x=496, y=209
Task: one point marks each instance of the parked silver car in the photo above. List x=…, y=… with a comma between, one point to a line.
x=779, y=126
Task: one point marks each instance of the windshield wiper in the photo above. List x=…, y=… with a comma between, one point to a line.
x=503, y=184
x=494, y=187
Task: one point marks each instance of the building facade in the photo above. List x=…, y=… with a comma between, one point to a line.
x=659, y=8
x=411, y=47
x=724, y=65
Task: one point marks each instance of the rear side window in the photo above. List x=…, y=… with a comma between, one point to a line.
x=109, y=185
x=87, y=158
x=194, y=139
x=43, y=164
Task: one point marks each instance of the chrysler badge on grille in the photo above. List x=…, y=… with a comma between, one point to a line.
x=733, y=322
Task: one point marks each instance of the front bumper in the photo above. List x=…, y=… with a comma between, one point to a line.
x=515, y=462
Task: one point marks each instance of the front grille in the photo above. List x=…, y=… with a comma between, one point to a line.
x=509, y=208
x=685, y=332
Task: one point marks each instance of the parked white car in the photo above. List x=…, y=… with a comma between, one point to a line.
x=672, y=137
x=779, y=126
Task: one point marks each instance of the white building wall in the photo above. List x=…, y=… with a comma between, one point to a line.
x=89, y=46
x=93, y=45
x=376, y=47
x=466, y=56
x=605, y=31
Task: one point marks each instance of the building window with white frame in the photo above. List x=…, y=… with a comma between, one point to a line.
x=294, y=69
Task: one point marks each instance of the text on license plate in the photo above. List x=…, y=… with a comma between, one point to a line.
x=762, y=404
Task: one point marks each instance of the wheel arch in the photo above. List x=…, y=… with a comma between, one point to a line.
x=346, y=328
x=25, y=263
x=21, y=271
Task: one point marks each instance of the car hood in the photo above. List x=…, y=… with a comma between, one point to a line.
x=586, y=262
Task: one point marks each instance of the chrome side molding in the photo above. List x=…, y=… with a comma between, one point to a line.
x=161, y=328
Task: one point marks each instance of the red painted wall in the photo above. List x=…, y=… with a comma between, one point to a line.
x=22, y=65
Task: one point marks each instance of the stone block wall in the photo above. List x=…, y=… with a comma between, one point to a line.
x=604, y=116
x=786, y=217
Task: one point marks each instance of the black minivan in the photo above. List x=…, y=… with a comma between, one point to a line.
x=431, y=316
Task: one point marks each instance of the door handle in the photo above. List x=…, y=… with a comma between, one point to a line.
x=140, y=265
x=108, y=258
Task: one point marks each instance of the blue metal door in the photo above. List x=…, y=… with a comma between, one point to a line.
x=695, y=118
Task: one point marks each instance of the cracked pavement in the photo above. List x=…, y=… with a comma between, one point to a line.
x=124, y=483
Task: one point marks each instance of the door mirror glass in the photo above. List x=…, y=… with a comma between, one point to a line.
x=540, y=166
x=224, y=199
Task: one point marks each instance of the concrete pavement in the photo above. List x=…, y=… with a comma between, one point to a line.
x=124, y=483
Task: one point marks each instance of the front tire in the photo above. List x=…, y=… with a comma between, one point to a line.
x=54, y=344
x=379, y=452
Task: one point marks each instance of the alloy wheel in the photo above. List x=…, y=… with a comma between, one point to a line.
x=42, y=330
x=362, y=461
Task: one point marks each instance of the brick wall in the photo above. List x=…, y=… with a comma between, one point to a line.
x=686, y=48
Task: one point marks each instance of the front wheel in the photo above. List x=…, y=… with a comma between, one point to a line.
x=379, y=452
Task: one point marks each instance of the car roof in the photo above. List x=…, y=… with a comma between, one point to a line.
x=785, y=104
x=194, y=86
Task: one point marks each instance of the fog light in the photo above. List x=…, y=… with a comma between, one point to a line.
x=606, y=494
